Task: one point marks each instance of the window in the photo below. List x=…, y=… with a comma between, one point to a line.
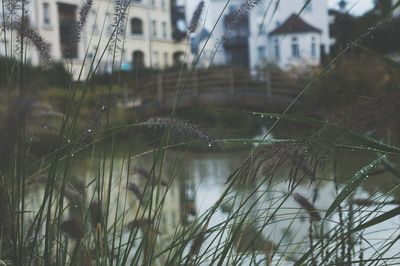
x=179, y=58
x=46, y=14
x=277, y=50
x=136, y=26
x=164, y=29
x=153, y=3
x=261, y=53
x=156, y=60
x=313, y=48
x=308, y=7
x=138, y=59
x=295, y=47
x=154, y=28
x=163, y=4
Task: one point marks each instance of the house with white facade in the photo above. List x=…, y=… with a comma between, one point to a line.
x=286, y=33
x=294, y=43
x=152, y=36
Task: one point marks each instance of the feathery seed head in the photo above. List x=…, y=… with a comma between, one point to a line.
x=194, y=22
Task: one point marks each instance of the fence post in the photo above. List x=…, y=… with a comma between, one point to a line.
x=232, y=82
x=159, y=88
x=268, y=85
x=195, y=89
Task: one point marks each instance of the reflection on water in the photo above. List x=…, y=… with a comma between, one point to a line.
x=275, y=224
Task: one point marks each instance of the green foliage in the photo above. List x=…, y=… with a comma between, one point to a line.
x=38, y=77
x=352, y=76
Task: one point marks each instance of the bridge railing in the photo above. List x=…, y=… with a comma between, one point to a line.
x=226, y=80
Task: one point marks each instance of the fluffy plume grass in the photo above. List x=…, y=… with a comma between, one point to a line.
x=51, y=215
x=197, y=243
x=120, y=13
x=308, y=206
x=83, y=16
x=303, y=158
x=96, y=214
x=180, y=128
x=194, y=21
x=149, y=176
x=132, y=187
x=73, y=229
x=23, y=28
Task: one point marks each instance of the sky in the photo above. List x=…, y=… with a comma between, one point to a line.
x=358, y=6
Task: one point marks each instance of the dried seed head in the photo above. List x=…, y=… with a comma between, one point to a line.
x=73, y=229
x=138, y=223
x=197, y=242
x=194, y=22
x=191, y=209
x=79, y=26
x=308, y=206
x=144, y=224
x=362, y=202
x=135, y=190
x=103, y=105
x=73, y=194
x=241, y=12
x=120, y=11
x=83, y=15
x=96, y=214
x=300, y=158
x=149, y=176
x=180, y=128
x=22, y=26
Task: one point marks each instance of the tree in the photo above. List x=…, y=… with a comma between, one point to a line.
x=385, y=38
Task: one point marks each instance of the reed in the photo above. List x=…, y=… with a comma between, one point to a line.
x=194, y=21
x=51, y=215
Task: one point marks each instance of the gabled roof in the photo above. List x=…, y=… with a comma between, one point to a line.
x=294, y=24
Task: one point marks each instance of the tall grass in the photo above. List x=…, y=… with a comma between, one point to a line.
x=273, y=209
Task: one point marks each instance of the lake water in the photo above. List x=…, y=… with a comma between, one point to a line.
x=275, y=225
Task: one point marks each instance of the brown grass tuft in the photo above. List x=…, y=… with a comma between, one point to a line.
x=135, y=190
x=194, y=21
x=149, y=176
x=180, y=128
x=23, y=28
x=308, y=206
x=96, y=214
x=197, y=243
x=73, y=229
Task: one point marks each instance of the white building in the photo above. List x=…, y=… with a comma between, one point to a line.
x=148, y=39
x=282, y=32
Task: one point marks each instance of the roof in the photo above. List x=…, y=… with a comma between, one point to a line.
x=294, y=24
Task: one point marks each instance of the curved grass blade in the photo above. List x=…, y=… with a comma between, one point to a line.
x=351, y=135
x=379, y=219
x=294, y=118
x=354, y=183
